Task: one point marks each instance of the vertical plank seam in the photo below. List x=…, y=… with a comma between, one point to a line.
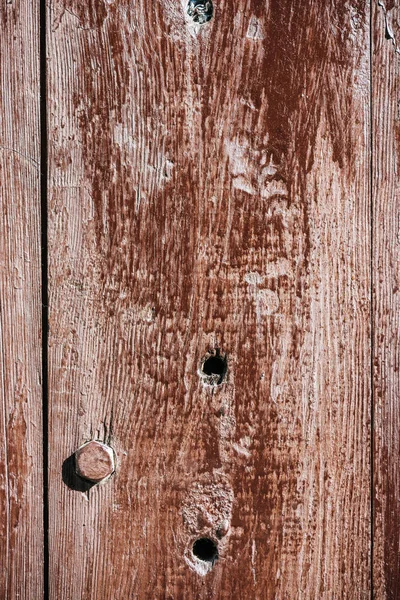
x=45, y=293
x=372, y=329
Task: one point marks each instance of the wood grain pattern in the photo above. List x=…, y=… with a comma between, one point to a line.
x=209, y=188
x=386, y=263
x=21, y=484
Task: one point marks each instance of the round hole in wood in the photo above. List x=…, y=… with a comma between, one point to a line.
x=205, y=549
x=214, y=368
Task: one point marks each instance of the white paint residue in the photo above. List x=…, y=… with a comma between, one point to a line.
x=274, y=188
x=169, y=165
x=273, y=270
x=279, y=267
x=271, y=169
x=199, y=566
x=253, y=561
x=241, y=183
x=255, y=30
x=236, y=151
x=253, y=278
x=137, y=313
x=241, y=450
x=389, y=33
x=254, y=170
x=267, y=302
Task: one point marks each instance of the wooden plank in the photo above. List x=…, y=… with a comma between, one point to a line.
x=386, y=263
x=209, y=189
x=21, y=462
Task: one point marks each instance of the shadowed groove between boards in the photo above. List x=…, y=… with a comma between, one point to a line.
x=45, y=291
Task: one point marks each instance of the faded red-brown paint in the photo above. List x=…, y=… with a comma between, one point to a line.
x=199, y=194
x=232, y=188
x=21, y=436
x=385, y=265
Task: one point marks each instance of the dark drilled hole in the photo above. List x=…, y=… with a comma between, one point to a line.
x=200, y=11
x=206, y=550
x=215, y=367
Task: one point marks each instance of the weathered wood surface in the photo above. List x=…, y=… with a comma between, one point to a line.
x=210, y=189
x=21, y=484
x=386, y=265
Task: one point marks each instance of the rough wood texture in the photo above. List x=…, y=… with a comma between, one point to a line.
x=209, y=189
x=21, y=484
x=386, y=268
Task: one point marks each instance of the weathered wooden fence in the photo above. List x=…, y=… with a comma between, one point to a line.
x=199, y=269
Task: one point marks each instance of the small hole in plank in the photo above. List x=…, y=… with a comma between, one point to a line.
x=215, y=365
x=214, y=368
x=206, y=550
x=200, y=11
